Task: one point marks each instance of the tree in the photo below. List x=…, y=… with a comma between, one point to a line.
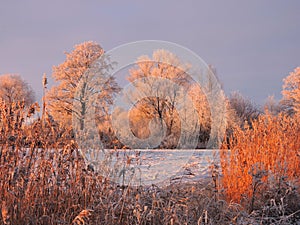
x=16, y=103
x=164, y=84
x=272, y=106
x=244, y=108
x=75, y=70
x=291, y=92
x=14, y=89
x=203, y=109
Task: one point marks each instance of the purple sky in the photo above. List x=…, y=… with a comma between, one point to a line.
x=253, y=45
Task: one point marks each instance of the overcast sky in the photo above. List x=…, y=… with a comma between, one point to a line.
x=253, y=45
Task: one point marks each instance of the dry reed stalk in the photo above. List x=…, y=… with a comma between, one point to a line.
x=83, y=217
x=44, y=180
x=4, y=213
x=267, y=151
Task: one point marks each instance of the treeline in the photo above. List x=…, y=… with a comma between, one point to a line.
x=65, y=101
x=58, y=101
x=44, y=178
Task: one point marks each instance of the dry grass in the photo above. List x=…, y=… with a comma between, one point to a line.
x=263, y=168
x=43, y=180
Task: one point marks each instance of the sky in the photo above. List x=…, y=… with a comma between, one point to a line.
x=252, y=44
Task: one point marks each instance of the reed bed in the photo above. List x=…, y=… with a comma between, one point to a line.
x=262, y=170
x=44, y=180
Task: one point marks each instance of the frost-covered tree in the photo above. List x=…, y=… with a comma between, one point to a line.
x=203, y=109
x=245, y=109
x=14, y=89
x=82, y=65
x=272, y=106
x=291, y=92
x=168, y=95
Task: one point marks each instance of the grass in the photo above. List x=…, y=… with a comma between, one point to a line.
x=44, y=180
x=263, y=169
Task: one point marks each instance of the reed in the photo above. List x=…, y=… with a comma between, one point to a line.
x=44, y=180
x=264, y=164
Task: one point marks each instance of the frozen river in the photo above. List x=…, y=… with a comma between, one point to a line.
x=151, y=166
x=155, y=166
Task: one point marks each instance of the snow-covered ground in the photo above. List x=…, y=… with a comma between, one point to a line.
x=147, y=167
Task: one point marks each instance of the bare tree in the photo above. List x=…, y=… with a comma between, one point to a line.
x=202, y=106
x=14, y=89
x=160, y=99
x=163, y=81
x=73, y=71
x=245, y=109
x=291, y=92
x=16, y=100
x=272, y=106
